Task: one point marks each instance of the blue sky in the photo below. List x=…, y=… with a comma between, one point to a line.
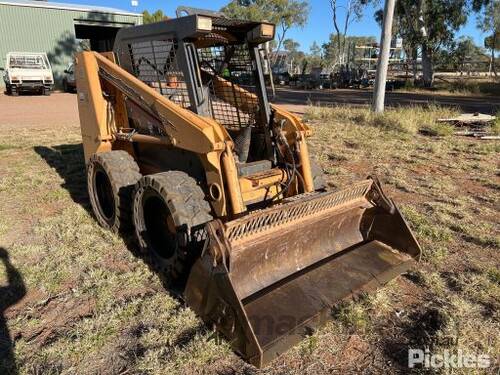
x=318, y=29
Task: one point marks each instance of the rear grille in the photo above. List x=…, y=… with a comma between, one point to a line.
x=282, y=215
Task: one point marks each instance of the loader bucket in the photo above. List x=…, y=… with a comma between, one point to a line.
x=267, y=279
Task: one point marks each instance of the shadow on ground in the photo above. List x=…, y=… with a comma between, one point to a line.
x=419, y=331
x=68, y=161
x=10, y=294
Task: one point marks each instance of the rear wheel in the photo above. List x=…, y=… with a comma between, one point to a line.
x=111, y=177
x=170, y=213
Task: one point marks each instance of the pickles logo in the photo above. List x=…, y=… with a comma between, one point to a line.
x=424, y=358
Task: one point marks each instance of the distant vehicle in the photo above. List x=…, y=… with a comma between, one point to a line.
x=282, y=79
x=69, y=81
x=28, y=71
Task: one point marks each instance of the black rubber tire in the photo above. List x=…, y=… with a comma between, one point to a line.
x=318, y=176
x=170, y=213
x=46, y=92
x=8, y=90
x=111, y=177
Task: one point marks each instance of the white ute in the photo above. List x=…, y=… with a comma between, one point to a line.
x=28, y=71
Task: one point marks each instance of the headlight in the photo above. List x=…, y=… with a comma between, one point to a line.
x=47, y=78
x=204, y=23
x=14, y=78
x=261, y=33
x=267, y=30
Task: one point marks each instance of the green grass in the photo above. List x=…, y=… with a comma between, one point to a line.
x=495, y=127
x=469, y=87
x=4, y=147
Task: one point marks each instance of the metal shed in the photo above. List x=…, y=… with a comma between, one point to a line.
x=58, y=29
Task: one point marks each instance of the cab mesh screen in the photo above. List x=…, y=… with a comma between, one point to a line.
x=228, y=72
x=155, y=63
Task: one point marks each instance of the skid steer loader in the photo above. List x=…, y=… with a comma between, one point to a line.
x=183, y=149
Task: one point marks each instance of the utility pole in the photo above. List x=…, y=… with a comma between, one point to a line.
x=383, y=57
x=267, y=58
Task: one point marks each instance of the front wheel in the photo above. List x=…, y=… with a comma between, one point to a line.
x=170, y=213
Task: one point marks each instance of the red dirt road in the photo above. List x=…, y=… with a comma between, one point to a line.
x=297, y=100
x=32, y=111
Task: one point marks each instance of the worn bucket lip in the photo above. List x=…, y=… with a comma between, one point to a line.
x=373, y=284
x=312, y=267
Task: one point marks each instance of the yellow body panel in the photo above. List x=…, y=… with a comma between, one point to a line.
x=92, y=107
x=103, y=121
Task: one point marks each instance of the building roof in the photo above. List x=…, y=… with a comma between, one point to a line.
x=64, y=6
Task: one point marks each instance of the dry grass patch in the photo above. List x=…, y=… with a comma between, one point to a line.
x=446, y=186
x=457, y=87
x=400, y=119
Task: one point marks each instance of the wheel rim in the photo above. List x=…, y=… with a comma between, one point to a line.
x=160, y=229
x=104, y=195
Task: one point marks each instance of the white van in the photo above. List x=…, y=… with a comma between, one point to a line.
x=28, y=71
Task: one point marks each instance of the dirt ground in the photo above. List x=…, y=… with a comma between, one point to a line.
x=75, y=299
x=33, y=111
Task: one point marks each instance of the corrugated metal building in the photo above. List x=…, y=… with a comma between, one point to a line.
x=58, y=29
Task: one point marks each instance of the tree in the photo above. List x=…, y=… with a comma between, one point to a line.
x=466, y=52
x=284, y=13
x=315, y=50
x=488, y=22
x=463, y=53
x=152, y=18
x=295, y=56
x=291, y=45
x=428, y=26
x=331, y=52
x=353, y=10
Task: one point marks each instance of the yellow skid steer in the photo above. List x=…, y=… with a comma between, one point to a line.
x=184, y=150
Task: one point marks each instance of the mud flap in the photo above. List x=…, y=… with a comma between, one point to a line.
x=270, y=278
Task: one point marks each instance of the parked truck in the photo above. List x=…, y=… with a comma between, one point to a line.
x=28, y=72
